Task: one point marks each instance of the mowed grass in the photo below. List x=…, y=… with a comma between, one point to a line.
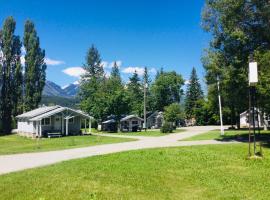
x=151, y=133
x=196, y=172
x=229, y=135
x=12, y=144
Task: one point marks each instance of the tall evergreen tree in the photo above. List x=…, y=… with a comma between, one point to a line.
x=92, y=91
x=194, y=93
x=35, y=67
x=10, y=72
x=117, y=98
x=115, y=73
x=135, y=92
x=93, y=66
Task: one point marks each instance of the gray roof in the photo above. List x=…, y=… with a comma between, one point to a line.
x=36, y=112
x=47, y=111
x=131, y=116
x=109, y=121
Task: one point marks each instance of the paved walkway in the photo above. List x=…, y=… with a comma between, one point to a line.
x=17, y=162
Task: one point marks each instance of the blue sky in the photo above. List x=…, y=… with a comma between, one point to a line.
x=135, y=33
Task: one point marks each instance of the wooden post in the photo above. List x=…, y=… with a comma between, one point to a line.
x=40, y=129
x=62, y=125
x=37, y=124
x=67, y=126
x=84, y=125
x=90, y=126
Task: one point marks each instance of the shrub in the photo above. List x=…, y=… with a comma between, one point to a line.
x=166, y=128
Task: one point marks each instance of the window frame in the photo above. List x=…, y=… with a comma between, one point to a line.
x=43, y=121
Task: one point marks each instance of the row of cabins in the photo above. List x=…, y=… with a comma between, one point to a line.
x=50, y=121
x=133, y=123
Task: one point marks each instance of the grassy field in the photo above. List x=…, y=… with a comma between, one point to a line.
x=229, y=135
x=198, y=172
x=153, y=133
x=11, y=144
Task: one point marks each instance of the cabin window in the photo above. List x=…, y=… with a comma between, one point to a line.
x=57, y=119
x=134, y=122
x=71, y=120
x=46, y=121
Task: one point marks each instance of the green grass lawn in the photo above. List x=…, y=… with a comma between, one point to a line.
x=229, y=135
x=153, y=133
x=11, y=144
x=196, y=172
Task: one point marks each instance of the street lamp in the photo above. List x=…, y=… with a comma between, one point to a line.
x=220, y=109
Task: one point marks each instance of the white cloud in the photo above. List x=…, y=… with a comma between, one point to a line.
x=131, y=70
x=52, y=62
x=139, y=70
x=105, y=64
x=74, y=71
x=48, y=61
x=118, y=63
x=108, y=65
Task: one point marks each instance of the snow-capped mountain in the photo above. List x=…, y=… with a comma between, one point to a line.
x=52, y=89
x=71, y=89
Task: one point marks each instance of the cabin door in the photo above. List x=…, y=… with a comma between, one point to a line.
x=57, y=123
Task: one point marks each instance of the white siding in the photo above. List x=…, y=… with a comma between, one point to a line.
x=26, y=126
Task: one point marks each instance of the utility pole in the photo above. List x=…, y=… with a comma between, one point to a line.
x=144, y=106
x=220, y=109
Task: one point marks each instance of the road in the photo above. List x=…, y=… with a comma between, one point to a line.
x=17, y=162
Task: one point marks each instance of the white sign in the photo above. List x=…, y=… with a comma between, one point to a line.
x=253, y=73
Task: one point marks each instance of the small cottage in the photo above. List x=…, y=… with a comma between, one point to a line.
x=154, y=120
x=52, y=120
x=109, y=125
x=245, y=121
x=131, y=123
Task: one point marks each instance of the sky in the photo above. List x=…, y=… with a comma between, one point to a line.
x=155, y=33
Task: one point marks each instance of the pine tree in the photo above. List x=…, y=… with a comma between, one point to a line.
x=115, y=73
x=92, y=91
x=93, y=66
x=117, y=98
x=10, y=72
x=35, y=67
x=135, y=92
x=194, y=93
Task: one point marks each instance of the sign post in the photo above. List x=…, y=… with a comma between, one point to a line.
x=253, y=110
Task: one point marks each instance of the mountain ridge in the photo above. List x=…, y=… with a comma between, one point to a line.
x=54, y=90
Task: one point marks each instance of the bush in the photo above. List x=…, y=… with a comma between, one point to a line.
x=166, y=128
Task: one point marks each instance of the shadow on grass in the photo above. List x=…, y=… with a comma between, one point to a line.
x=264, y=138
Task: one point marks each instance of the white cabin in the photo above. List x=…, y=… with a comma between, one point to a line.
x=52, y=119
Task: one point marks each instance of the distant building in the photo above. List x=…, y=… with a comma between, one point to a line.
x=245, y=121
x=154, y=120
x=131, y=123
x=48, y=120
x=109, y=125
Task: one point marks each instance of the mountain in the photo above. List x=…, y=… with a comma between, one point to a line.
x=71, y=89
x=53, y=90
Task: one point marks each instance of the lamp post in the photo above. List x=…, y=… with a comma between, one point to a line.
x=220, y=109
